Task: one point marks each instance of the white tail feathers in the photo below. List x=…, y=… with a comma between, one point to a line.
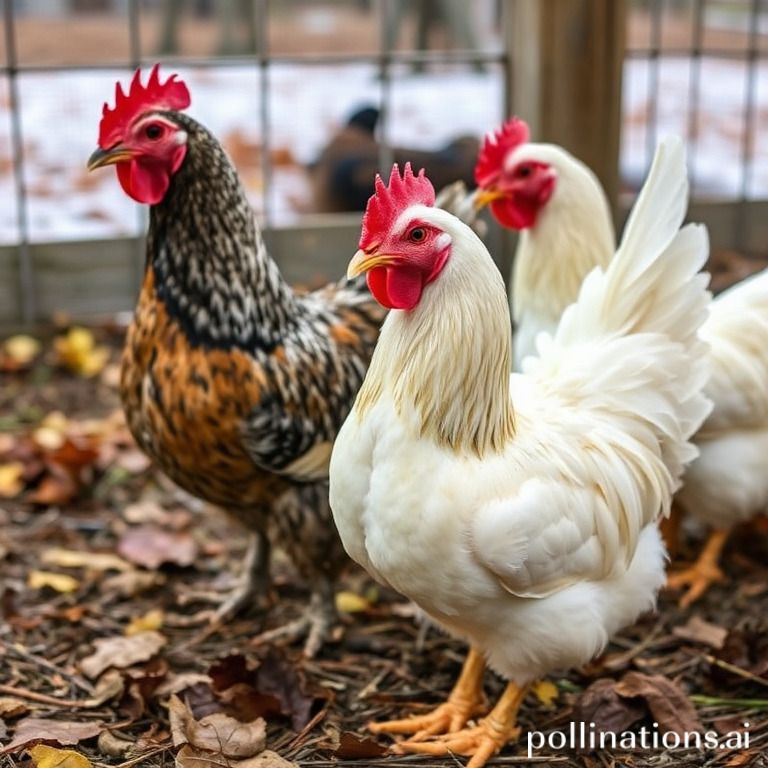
x=651, y=284
x=634, y=330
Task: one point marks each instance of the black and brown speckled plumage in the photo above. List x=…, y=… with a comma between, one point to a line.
x=232, y=382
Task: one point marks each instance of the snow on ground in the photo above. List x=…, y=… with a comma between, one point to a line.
x=60, y=115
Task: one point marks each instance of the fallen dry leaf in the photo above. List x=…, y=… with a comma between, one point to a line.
x=546, y=692
x=278, y=678
x=151, y=546
x=69, y=558
x=75, y=453
x=267, y=759
x=109, y=686
x=132, y=583
x=10, y=707
x=350, y=602
x=217, y=732
x=21, y=350
x=35, y=729
x=666, y=701
x=59, y=582
x=47, y=438
x=111, y=745
x=745, y=647
x=601, y=704
x=353, y=747
x=77, y=352
x=189, y=757
x=11, y=479
x=121, y=652
x=151, y=620
x=275, y=688
x=55, y=489
x=50, y=757
x=178, y=682
x=699, y=631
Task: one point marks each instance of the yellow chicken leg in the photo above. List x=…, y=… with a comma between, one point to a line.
x=703, y=573
x=484, y=740
x=465, y=700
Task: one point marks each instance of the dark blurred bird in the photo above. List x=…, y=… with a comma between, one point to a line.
x=342, y=176
x=232, y=381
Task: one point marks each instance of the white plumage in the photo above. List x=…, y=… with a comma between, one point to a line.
x=521, y=514
x=728, y=483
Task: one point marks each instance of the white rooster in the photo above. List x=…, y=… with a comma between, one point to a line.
x=520, y=514
x=566, y=230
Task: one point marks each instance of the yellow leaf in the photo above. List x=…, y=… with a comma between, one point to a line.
x=22, y=349
x=58, y=581
x=78, y=352
x=55, y=420
x=546, y=692
x=51, y=757
x=70, y=558
x=349, y=602
x=151, y=620
x=48, y=439
x=10, y=479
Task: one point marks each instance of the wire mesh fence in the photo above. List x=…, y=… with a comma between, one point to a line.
x=703, y=66
x=276, y=78
x=273, y=78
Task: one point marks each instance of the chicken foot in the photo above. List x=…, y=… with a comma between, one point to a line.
x=481, y=742
x=465, y=701
x=253, y=581
x=315, y=624
x=700, y=576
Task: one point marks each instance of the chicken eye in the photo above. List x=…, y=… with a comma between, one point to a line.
x=524, y=171
x=417, y=235
x=153, y=132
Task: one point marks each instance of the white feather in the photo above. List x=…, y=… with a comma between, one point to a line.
x=729, y=482
x=538, y=548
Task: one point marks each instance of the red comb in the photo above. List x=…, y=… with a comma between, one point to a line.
x=172, y=94
x=495, y=148
x=387, y=203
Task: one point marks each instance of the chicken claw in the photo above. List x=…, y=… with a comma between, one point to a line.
x=465, y=701
x=700, y=576
x=315, y=624
x=481, y=742
x=253, y=582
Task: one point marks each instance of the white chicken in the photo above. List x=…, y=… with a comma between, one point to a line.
x=520, y=514
x=566, y=230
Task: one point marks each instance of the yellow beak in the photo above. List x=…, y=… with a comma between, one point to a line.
x=102, y=157
x=363, y=262
x=485, y=196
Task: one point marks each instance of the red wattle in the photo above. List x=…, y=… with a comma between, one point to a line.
x=396, y=287
x=517, y=214
x=148, y=182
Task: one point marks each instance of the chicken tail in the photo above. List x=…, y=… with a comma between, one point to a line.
x=633, y=334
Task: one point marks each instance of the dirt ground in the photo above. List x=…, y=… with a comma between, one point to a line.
x=108, y=572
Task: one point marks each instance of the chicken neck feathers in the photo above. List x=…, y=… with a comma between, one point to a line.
x=558, y=515
x=212, y=273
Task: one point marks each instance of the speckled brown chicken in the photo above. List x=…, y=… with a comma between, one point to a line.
x=234, y=383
